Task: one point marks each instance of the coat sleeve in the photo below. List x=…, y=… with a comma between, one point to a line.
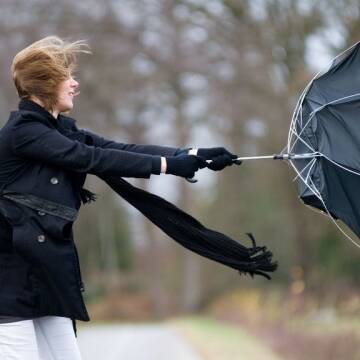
x=34, y=140
x=104, y=143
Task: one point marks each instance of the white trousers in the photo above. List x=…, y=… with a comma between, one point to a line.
x=43, y=338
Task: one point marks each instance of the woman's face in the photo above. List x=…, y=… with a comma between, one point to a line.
x=66, y=94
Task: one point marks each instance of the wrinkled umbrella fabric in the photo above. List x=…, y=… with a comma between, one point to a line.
x=328, y=122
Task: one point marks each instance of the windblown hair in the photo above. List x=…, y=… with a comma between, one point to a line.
x=38, y=69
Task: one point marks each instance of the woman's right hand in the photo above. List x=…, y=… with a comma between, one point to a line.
x=184, y=165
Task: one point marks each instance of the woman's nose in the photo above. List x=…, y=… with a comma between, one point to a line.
x=75, y=84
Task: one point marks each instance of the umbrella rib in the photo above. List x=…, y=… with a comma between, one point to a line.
x=302, y=140
x=316, y=193
x=302, y=130
x=293, y=131
x=296, y=111
x=301, y=100
x=305, y=167
x=312, y=165
x=340, y=166
x=333, y=102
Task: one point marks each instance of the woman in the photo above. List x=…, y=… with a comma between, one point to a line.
x=44, y=159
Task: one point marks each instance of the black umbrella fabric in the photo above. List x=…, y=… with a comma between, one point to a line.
x=326, y=123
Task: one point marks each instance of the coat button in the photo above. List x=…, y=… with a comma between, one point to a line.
x=41, y=238
x=82, y=288
x=54, y=180
x=41, y=213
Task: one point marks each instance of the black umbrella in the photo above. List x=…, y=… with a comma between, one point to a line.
x=326, y=123
x=324, y=141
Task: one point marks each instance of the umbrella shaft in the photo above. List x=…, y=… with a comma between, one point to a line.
x=279, y=157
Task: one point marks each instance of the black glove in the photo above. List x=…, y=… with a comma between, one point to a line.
x=220, y=156
x=184, y=165
x=220, y=162
x=210, y=153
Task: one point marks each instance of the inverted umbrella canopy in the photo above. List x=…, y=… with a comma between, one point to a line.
x=323, y=144
x=326, y=123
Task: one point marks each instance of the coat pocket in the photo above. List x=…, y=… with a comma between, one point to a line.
x=41, y=223
x=55, y=227
x=33, y=238
x=29, y=225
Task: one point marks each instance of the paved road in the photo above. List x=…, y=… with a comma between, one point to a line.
x=133, y=342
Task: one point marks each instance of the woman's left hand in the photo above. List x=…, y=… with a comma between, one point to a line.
x=221, y=161
x=211, y=153
x=220, y=157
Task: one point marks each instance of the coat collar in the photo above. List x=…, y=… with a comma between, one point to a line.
x=29, y=105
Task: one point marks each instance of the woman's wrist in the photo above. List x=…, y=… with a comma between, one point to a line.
x=156, y=165
x=163, y=164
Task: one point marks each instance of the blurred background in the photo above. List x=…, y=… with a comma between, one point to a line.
x=205, y=73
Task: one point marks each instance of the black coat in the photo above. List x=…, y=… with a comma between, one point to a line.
x=50, y=158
